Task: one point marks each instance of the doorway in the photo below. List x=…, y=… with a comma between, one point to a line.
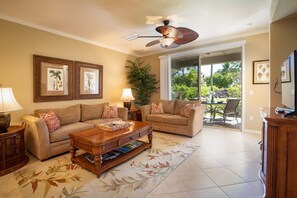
x=221, y=88
x=214, y=78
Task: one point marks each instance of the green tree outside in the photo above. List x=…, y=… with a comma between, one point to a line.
x=185, y=81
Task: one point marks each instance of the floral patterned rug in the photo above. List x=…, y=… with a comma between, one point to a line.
x=137, y=177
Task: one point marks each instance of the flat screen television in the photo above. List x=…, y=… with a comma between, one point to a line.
x=289, y=84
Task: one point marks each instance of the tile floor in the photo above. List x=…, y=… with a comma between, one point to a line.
x=225, y=165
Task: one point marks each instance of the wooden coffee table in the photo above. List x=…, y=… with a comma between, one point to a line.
x=98, y=142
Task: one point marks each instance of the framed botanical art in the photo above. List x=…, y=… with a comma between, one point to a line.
x=88, y=81
x=261, y=72
x=52, y=79
x=286, y=71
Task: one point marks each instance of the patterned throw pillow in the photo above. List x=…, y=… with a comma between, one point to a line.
x=51, y=120
x=110, y=111
x=185, y=111
x=157, y=109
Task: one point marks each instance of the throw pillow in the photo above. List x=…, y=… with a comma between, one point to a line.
x=110, y=111
x=51, y=120
x=185, y=111
x=157, y=109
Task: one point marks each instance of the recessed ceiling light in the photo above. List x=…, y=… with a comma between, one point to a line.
x=249, y=24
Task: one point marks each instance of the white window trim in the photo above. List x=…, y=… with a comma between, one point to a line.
x=165, y=69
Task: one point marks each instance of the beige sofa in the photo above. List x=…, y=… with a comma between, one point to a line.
x=171, y=121
x=74, y=118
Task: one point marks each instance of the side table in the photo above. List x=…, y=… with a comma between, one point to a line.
x=134, y=114
x=12, y=150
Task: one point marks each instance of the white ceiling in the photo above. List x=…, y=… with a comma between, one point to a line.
x=107, y=22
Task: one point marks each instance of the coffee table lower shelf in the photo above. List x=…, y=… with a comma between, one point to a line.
x=105, y=165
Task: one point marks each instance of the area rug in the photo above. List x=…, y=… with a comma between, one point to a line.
x=136, y=177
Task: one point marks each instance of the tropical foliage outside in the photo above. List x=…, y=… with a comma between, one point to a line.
x=185, y=81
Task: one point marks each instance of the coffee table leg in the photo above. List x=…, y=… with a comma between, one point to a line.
x=150, y=138
x=97, y=160
x=72, y=152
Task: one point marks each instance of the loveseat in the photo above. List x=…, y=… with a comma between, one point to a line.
x=171, y=121
x=44, y=144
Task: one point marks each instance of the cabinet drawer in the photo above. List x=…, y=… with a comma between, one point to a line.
x=143, y=133
x=110, y=146
x=129, y=139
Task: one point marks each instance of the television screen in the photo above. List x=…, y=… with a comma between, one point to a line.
x=288, y=80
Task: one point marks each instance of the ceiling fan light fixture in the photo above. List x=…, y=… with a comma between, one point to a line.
x=166, y=41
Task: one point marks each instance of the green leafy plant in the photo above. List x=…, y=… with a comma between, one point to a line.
x=142, y=81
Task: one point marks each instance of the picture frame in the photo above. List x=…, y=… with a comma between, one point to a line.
x=261, y=72
x=88, y=81
x=52, y=79
x=286, y=71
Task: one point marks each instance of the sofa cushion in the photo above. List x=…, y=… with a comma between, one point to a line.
x=181, y=103
x=176, y=119
x=63, y=132
x=51, y=120
x=168, y=106
x=185, y=111
x=157, y=108
x=99, y=121
x=66, y=115
x=110, y=111
x=157, y=117
x=91, y=112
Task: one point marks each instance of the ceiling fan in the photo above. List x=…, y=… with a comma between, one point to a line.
x=172, y=37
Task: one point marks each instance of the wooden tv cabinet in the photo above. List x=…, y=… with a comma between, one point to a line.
x=278, y=170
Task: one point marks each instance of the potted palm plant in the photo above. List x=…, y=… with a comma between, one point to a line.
x=142, y=82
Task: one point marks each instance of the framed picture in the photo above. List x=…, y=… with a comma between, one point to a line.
x=261, y=72
x=88, y=81
x=286, y=71
x=52, y=79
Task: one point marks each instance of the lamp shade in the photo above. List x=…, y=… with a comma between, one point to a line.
x=166, y=41
x=127, y=95
x=7, y=101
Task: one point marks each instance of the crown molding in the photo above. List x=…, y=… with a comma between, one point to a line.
x=60, y=33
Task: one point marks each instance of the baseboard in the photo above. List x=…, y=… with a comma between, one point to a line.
x=251, y=131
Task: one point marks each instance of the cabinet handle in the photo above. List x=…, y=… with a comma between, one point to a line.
x=260, y=142
x=261, y=145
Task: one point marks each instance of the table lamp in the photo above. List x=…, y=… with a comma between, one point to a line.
x=127, y=97
x=7, y=103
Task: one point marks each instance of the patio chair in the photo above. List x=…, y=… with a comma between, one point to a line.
x=229, y=109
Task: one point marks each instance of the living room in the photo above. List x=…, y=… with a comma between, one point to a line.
x=21, y=39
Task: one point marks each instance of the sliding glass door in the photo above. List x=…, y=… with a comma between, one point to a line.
x=185, y=78
x=213, y=78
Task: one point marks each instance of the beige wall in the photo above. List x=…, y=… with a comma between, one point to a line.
x=256, y=48
x=283, y=40
x=18, y=44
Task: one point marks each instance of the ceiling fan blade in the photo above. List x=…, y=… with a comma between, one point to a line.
x=149, y=36
x=188, y=36
x=169, y=31
x=153, y=43
x=173, y=45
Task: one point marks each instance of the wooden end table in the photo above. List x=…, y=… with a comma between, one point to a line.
x=98, y=142
x=12, y=150
x=134, y=114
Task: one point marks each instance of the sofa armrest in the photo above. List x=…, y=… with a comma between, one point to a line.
x=145, y=110
x=36, y=136
x=195, y=120
x=123, y=113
